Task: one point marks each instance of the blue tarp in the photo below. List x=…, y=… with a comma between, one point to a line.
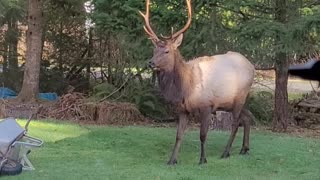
x=6, y=93
x=48, y=96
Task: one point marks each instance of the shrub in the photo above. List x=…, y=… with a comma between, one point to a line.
x=261, y=105
x=142, y=94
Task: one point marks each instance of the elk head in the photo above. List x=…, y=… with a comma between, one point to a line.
x=165, y=47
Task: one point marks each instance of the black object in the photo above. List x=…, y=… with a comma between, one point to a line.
x=10, y=168
x=309, y=70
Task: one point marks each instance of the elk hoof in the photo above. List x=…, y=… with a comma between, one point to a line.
x=172, y=162
x=202, y=161
x=244, y=151
x=225, y=154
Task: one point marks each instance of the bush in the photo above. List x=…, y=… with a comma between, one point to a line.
x=261, y=105
x=142, y=94
x=52, y=79
x=103, y=90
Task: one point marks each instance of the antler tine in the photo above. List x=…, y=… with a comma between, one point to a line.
x=188, y=22
x=147, y=26
x=167, y=37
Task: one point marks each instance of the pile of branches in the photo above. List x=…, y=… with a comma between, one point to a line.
x=75, y=107
x=118, y=113
x=69, y=106
x=306, y=111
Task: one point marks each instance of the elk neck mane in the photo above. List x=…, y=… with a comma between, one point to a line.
x=175, y=84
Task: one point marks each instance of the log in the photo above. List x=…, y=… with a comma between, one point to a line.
x=306, y=119
x=223, y=120
x=310, y=105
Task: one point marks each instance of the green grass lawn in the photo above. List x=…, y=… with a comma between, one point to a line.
x=89, y=152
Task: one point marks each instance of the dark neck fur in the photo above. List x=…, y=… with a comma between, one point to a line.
x=171, y=83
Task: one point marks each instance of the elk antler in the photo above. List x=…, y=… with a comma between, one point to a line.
x=147, y=26
x=153, y=35
x=188, y=22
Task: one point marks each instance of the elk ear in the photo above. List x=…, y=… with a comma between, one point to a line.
x=178, y=41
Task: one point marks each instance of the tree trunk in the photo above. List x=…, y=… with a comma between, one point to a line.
x=90, y=54
x=60, y=51
x=13, y=75
x=30, y=86
x=109, y=49
x=280, y=115
x=5, y=65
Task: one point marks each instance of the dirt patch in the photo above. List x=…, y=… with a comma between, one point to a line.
x=12, y=108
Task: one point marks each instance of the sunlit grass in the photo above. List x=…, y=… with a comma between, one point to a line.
x=89, y=152
x=51, y=131
x=294, y=96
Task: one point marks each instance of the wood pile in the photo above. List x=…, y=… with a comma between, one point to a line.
x=69, y=106
x=222, y=120
x=306, y=112
x=75, y=107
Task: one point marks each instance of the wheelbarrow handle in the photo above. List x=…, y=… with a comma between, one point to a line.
x=30, y=117
x=33, y=142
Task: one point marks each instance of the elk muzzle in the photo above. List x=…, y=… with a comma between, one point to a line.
x=152, y=65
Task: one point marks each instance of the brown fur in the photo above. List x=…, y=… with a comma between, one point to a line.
x=183, y=84
x=176, y=84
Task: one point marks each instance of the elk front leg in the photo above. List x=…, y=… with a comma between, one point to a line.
x=205, y=115
x=182, y=124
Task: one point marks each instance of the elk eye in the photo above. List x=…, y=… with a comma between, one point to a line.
x=166, y=51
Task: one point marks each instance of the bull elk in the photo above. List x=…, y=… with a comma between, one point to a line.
x=205, y=84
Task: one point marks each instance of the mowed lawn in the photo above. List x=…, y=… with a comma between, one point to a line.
x=90, y=152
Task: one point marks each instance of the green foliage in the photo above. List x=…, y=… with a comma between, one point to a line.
x=118, y=41
x=52, y=79
x=12, y=11
x=261, y=105
x=146, y=98
x=66, y=38
x=141, y=153
x=103, y=90
x=218, y=26
x=262, y=37
x=12, y=14
x=15, y=78
x=296, y=96
x=142, y=94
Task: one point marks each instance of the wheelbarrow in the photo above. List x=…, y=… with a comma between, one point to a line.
x=15, y=145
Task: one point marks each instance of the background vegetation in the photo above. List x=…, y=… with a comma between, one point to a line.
x=99, y=47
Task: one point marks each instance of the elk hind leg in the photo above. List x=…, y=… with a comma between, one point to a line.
x=235, y=125
x=245, y=116
x=205, y=115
